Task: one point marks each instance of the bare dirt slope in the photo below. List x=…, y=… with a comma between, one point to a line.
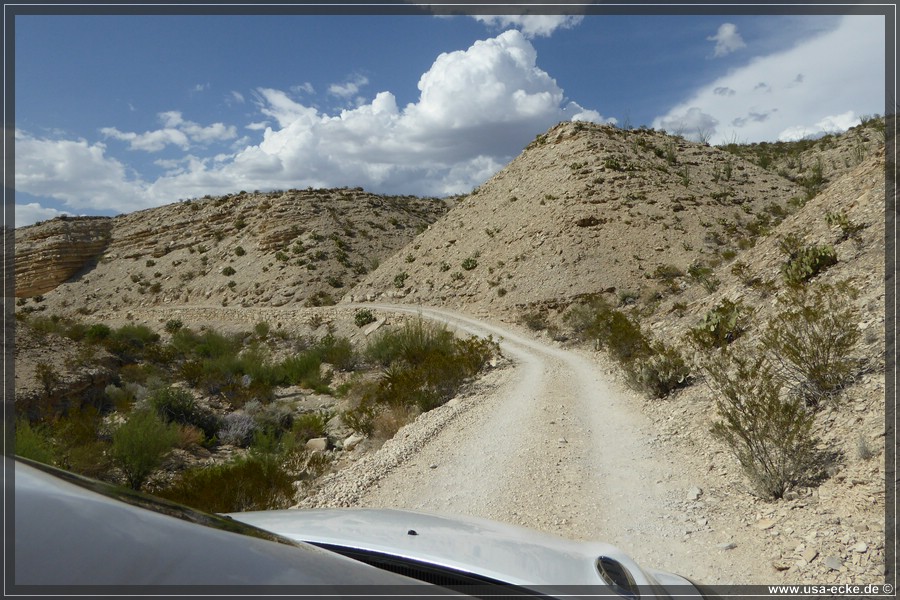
x=295, y=247
x=583, y=209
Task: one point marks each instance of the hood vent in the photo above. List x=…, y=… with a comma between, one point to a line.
x=618, y=577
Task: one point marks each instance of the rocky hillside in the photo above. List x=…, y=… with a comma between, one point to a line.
x=586, y=208
x=302, y=248
x=664, y=229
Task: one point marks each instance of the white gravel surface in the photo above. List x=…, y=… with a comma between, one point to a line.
x=549, y=444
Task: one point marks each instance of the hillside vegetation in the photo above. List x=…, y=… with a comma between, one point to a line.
x=739, y=290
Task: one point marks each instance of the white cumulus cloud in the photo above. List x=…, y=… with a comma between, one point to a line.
x=349, y=88
x=176, y=131
x=531, y=25
x=476, y=109
x=31, y=213
x=842, y=70
x=830, y=124
x=78, y=173
x=727, y=39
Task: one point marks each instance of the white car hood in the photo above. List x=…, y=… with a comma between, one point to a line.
x=491, y=549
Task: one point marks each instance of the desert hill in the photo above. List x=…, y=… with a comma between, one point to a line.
x=300, y=247
x=668, y=231
x=587, y=208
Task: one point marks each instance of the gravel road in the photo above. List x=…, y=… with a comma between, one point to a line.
x=546, y=443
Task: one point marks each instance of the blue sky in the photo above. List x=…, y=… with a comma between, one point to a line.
x=120, y=113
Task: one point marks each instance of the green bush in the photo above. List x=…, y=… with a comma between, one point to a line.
x=130, y=343
x=34, y=442
x=848, y=228
x=660, y=373
x=337, y=351
x=469, y=264
x=611, y=329
x=262, y=329
x=811, y=341
x=140, y=445
x=654, y=368
x=720, y=326
x=257, y=481
x=424, y=365
x=769, y=434
x=175, y=405
x=304, y=369
x=363, y=317
x=667, y=273
x=173, y=325
x=309, y=425
x=704, y=276
x=400, y=280
x=534, y=320
x=361, y=418
x=804, y=262
x=97, y=333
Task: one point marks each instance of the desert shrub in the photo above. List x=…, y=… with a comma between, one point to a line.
x=34, y=442
x=262, y=329
x=811, y=341
x=660, y=373
x=804, y=262
x=848, y=228
x=237, y=429
x=622, y=338
x=48, y=376
x=77, y=442
x=360, y=418
x=304, y=369
x=654, y=368
x=257, y=481
x=390, y=419
x=175, y=405
x=770, y=433
x=320, y=298
x=424, y=364
x=271, y=420
x=337, y=351
x=239, y=251
x=140, y=444
x=131, y=342
x=363, y=317
x=703, y=275
x=96, y=333
x=209, y=344
x=611, y=329
x=667, y=273
x=309, y=425
x=534, y=320
x=720, y=326
x=173, y=325
x=400, y=280
x=469, y=264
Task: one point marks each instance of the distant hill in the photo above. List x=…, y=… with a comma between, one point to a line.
x=297, y=247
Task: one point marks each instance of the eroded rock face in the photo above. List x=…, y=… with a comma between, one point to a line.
x=51, y=252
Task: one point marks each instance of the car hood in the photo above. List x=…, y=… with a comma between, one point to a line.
x=490, y=549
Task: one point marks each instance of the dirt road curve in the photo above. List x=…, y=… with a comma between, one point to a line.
x=547, y=444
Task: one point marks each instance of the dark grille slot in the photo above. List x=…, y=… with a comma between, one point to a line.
x=468, y=583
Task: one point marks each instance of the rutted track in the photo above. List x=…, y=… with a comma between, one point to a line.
x=546, y=444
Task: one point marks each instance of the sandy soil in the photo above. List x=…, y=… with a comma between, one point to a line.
x=549, y=443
